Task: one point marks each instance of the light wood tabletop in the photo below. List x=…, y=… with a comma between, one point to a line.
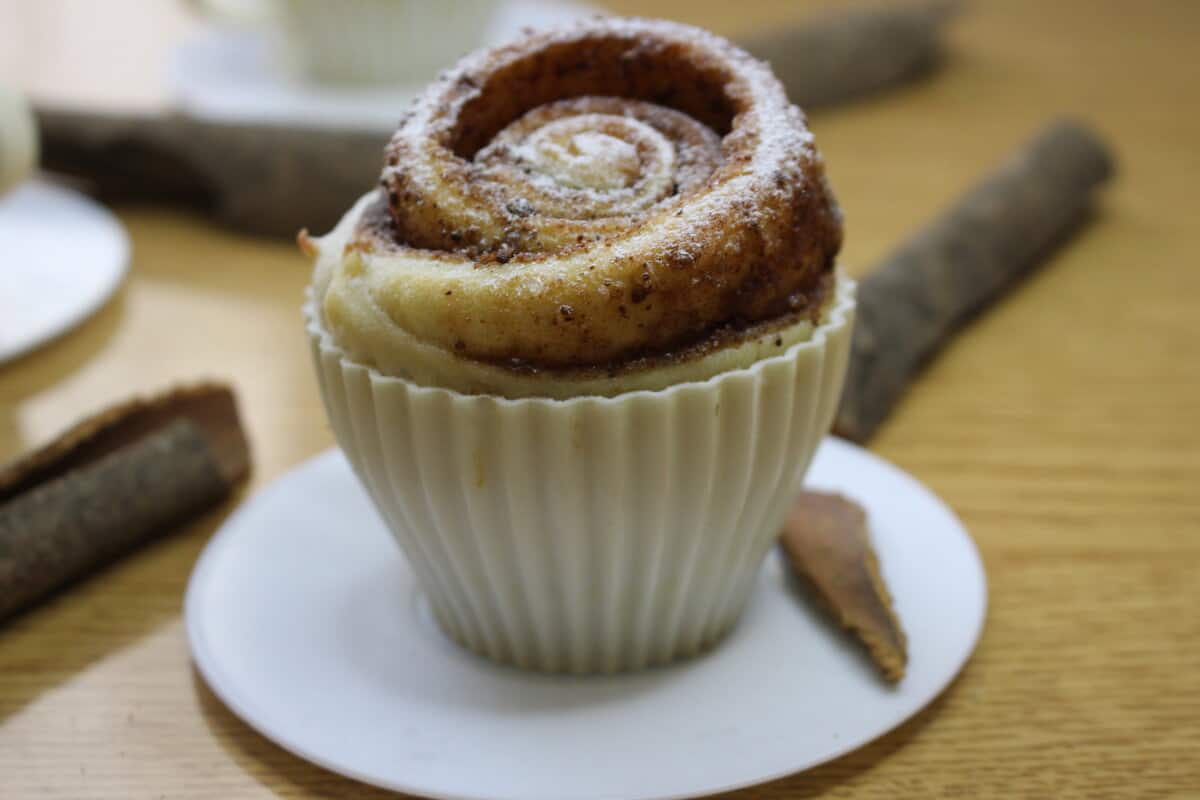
x=1063, y=426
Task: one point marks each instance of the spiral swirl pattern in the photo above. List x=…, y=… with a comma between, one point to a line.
x=587, y=198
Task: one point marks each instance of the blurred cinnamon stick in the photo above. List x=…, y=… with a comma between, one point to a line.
x=842, y=55
x=112, y=482
x=999, y=230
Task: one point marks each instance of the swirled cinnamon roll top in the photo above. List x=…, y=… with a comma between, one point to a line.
x=590, y=197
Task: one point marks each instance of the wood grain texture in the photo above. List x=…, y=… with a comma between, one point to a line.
x=1064, y=427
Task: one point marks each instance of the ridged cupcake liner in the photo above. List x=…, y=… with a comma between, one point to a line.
x=593, y=534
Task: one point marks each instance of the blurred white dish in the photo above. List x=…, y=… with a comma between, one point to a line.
x=360, y=40
x=64, y=256
x=304, y=618
x=232, y=74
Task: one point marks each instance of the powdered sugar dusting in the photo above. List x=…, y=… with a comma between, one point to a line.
x=586, y=160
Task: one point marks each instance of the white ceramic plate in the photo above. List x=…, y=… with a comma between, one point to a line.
x=229, y=74
x=64, y=256
x=303, y=617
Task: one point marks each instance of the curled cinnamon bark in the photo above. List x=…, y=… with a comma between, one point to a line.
x=1005, y=225
x=111, y=483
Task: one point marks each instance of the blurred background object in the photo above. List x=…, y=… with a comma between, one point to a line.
x=840, y=55
x=330, y=64
x=63, y=254
x=18, y=138
x=315, y=60
x=358, y=41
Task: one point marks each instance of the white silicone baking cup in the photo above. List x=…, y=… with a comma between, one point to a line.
x=595, y=534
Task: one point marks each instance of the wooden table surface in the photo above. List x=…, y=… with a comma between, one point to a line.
x=1064, y=427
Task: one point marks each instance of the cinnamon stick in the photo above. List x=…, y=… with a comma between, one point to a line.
x=111, y=483
x=1003, y=227
x=843, y=55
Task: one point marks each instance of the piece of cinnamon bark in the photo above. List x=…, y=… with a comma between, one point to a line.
x=112, y=482
x=1003, y=227
x=828, y=545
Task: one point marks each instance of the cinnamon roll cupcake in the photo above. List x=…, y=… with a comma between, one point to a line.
x=583, y=338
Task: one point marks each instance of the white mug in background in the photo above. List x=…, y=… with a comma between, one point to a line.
x=18, y=139
x=363, y=41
